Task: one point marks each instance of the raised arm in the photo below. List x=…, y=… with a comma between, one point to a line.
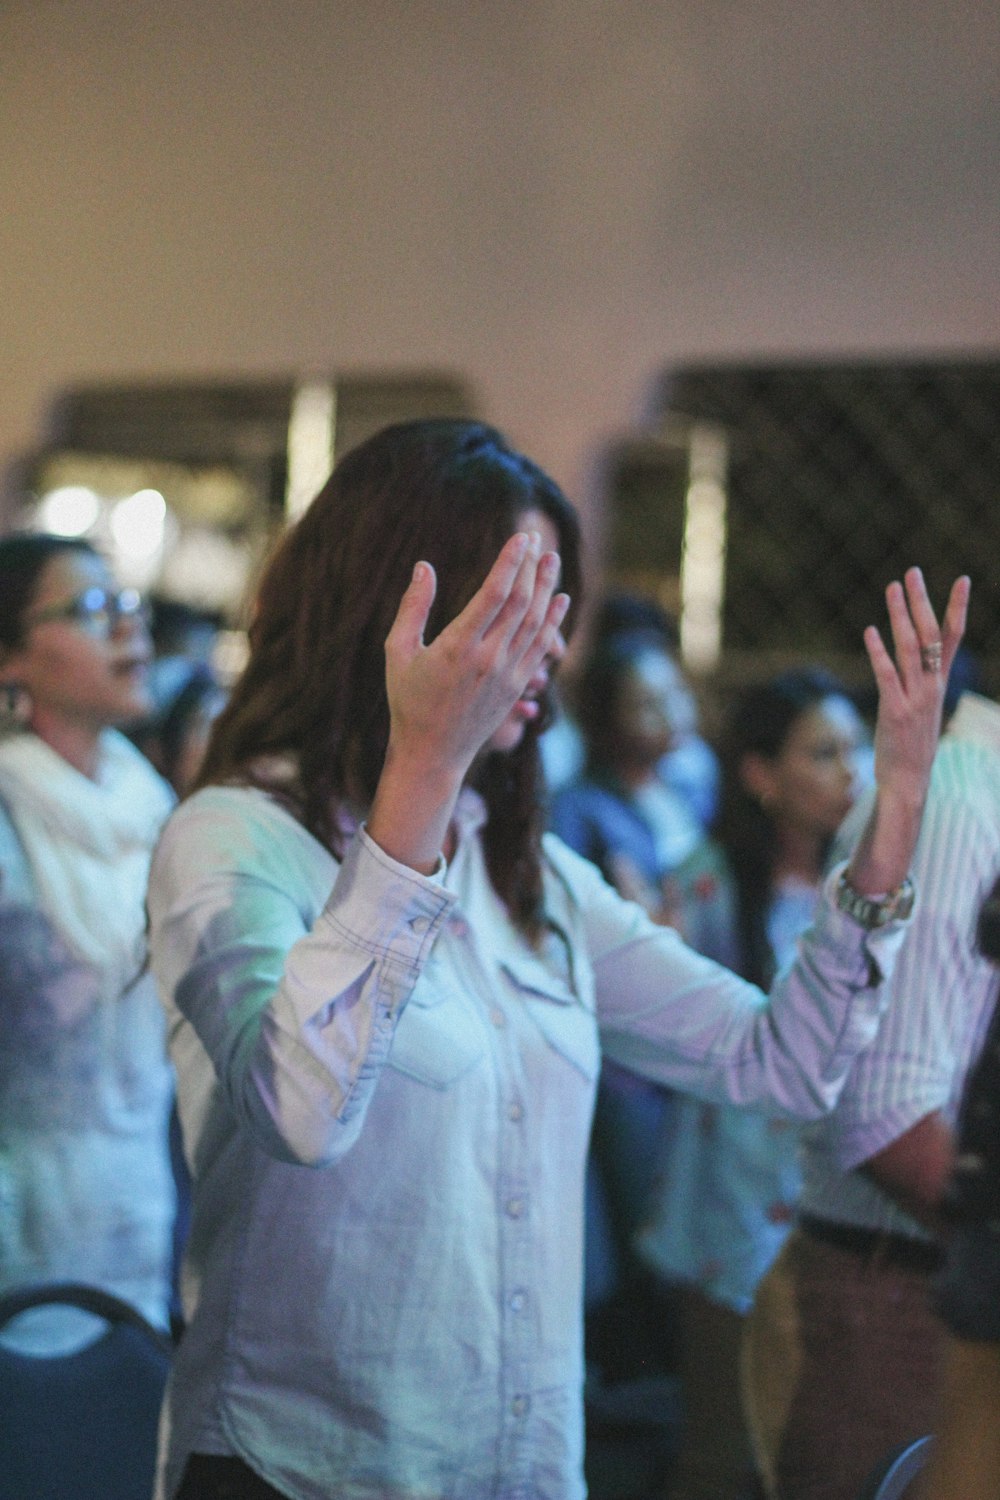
x=911, y=698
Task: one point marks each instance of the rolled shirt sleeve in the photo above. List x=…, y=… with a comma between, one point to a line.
x=295, y=1008
x=670, y=1014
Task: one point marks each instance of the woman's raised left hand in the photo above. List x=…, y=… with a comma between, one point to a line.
x=911, y=690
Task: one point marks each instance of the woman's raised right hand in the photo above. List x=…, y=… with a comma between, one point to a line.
x=448, y=698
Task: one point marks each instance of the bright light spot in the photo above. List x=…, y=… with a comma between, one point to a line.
x=70, y=510
x=206, y=568
x=312, y=426
x=137, y=523
x=703, y=556
x=230, y=654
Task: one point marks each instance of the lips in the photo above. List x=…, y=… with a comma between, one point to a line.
x=131, y=666
x=532, y=701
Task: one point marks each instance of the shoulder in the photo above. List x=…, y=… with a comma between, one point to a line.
x=576, y=874
x=238, y=830
x=961, y=821
x=966, y=770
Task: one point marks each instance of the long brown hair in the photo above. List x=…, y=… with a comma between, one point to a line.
x=313, y=690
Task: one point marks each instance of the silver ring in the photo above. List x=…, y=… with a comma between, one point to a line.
x=930, y=657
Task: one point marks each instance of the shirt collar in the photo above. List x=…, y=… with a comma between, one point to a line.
x=470, y=813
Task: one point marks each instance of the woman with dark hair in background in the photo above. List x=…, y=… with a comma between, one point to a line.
x=85, y=1085
x=648, y=843
x=386, y=991
x=728, y=1179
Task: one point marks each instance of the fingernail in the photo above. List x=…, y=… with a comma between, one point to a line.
x=418, y=572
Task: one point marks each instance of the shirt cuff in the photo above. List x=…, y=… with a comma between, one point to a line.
x=386, y=908
x=874, y=950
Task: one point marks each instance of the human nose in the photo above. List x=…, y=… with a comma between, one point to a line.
x=850, y=770
x=557, y=650
x=128, y=615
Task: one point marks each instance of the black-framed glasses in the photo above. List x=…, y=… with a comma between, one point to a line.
x=97, y=611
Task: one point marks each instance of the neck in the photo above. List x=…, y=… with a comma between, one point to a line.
x=75, y=742
x=635, y=776
x=800, y=854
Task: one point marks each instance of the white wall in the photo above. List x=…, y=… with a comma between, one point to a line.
x=556, y=197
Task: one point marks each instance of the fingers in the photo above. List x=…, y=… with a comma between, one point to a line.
x=882, y=665
x=516, y=624
x=548, y=643
x=911, y=620
x=915, y=627
x=510, y=612
x=524, y=632
x=508, y=576
x=954, y=620
x=407, y=633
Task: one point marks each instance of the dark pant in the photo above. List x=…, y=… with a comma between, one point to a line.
x=209, y=1477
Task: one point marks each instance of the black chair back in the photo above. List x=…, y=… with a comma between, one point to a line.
x=81, y=1426
x=894, y=1476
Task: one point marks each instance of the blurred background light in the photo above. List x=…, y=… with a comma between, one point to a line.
x=137, y=524
x=70, y=510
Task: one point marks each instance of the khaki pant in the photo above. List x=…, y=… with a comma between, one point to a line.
x=841, y=1364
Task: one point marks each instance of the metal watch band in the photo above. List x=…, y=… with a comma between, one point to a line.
x=875, y=911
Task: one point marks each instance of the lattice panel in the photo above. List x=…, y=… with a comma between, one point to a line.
x=840, y=476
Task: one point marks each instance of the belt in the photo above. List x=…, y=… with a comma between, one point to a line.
x=881, y=1246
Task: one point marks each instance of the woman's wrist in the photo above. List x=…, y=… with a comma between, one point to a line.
x=412, y=809
x=881, y=861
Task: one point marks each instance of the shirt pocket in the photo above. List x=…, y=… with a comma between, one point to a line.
x=565, y=1021
x=437, y=1038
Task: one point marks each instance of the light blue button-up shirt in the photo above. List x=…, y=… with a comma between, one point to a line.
x=386, y=1098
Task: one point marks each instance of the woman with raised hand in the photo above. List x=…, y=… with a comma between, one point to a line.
x=86, y=1192
x=727, y=1181
x=387, y=994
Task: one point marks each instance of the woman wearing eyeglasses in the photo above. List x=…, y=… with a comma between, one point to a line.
x=86, y=1192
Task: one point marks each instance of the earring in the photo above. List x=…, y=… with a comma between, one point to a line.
x=15, y=708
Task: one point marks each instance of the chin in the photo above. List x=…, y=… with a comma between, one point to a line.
x=508, y=736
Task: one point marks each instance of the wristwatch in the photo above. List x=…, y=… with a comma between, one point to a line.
x=875, y=911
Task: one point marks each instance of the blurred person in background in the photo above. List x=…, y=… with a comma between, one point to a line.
x=689, y=767
x=175, y=736
x=644, y=837
x=185, y=690
x=86, y=1192
x=844, y=1348
x=965, y=1459
x=727, y=1180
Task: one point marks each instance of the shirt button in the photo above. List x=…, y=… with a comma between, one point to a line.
x=498, y=1018
x=518, y=1301
x=420, y=924
x=515, y=1112
x=520, y=1406
x=515, y=1208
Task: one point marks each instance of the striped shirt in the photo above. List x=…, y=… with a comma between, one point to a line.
x=942, y=990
